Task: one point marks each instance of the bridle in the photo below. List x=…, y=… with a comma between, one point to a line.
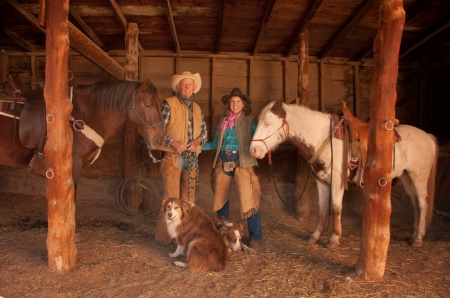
x=286, y=133
x=134, y=111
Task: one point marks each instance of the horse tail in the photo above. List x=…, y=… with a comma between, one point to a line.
x=431, y=188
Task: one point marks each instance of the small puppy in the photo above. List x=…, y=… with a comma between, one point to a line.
x=198, y=238
x=232, y=235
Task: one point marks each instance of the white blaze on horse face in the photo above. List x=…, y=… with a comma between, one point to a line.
x=269, y=134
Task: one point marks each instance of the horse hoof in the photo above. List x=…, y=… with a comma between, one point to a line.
x=332, y=245
x=416, y=243
x=313, y=240
x=78, y=238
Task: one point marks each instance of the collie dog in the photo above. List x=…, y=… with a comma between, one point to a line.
x=198, y=238
x=232, y=235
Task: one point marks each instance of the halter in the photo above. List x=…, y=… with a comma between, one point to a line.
x=134, y=111
x=286, y=133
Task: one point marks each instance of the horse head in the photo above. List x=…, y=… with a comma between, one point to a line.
x=145, y=114
x=272, y=129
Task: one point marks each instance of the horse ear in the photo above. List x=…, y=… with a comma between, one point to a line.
x=145, y=85
x=278, y=104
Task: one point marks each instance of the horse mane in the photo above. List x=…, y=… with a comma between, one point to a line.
x=110, y=94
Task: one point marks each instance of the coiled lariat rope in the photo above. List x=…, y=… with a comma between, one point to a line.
x=148, y=201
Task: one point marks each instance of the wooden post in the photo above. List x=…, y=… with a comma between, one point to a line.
x=377, y=187
x=302, y=209
x=61, y=247
x=131, y=135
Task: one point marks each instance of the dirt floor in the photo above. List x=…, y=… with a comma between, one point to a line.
x=119, y=257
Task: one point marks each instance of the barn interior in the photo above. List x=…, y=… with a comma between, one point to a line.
x=253, y=45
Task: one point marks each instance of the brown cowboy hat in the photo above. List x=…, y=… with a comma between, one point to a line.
x=176, y=78
x=237, y=92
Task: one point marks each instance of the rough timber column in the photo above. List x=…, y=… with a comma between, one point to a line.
x=301, y=177
x=61, y=248
x=377, y=202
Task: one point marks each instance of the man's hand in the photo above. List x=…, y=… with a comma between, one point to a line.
x=192, y=146
x=177, y=145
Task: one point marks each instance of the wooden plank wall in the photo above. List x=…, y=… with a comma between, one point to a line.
x=262, y=79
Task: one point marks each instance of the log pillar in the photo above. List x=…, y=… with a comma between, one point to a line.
x=131, y=136
x=377, y=186
x=61, y=247
x=302, y=209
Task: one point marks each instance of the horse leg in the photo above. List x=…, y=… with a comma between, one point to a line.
x=337, y=194
x=417, y=190
x=324, y=194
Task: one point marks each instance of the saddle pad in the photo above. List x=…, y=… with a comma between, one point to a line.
x=339, y=134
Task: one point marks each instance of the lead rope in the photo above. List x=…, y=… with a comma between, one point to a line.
x=192, y=163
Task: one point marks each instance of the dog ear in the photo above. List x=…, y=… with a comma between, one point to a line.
x=239, y=228
x=186, y=205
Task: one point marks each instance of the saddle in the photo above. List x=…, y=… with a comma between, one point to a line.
x=32, y=128
x=359, y=139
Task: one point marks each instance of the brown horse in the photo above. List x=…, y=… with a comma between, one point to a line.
x=104, y=107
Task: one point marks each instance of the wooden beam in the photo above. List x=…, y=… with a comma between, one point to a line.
x=286, y=80
x=19, y=40
x=302, y=209
x=383, y=94
x=262, y=29
x=305, y=23
x=133, y=194
x=321, y=85
x=173, y=29
x=356, y=91
x=123, y=21
x=425, y=38
x=25, y=13
x=80, y=43
x=220, y=26
x=86, y=28
x=348, y=27
x=91, y=51
x=61, y=249
x=411, y=13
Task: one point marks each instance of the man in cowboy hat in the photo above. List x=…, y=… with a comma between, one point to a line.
x=185, y=133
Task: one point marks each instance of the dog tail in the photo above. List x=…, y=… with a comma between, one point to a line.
x=203, y=256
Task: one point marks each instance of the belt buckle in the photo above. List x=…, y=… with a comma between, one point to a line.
x=230, y=151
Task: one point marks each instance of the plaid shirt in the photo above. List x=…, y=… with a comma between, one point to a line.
x=165, y=114
x=230, y=141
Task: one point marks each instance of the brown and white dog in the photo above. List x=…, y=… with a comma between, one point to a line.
x=232, y=235
x=198, y=238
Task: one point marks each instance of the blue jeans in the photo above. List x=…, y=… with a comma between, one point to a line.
x=253, y=222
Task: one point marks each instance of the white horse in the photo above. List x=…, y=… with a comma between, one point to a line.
x=415, y=162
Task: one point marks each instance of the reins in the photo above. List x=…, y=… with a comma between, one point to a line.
x=269, y=155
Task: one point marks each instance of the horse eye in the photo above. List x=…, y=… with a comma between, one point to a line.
x=268, y=124
x=147, y=106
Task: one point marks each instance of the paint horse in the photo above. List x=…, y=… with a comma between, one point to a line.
x=415, y=162
x=104, y=107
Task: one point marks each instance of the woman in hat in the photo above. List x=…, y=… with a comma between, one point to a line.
x=233, y=160
x=185, y=132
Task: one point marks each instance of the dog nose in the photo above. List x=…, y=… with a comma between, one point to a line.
x=169, y=214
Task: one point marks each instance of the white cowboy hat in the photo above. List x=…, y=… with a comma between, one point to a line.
x=187, y=75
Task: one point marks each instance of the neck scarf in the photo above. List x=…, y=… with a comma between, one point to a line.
x=188, y=102
x=229, y=122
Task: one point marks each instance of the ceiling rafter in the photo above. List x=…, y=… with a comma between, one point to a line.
x=410, y=14
x=20, y=41
x=304, y=24
x=264, y=22
x=123, y=21
x=86, y=28
x=28, y=15
x=220, y=25
x=348, y=27
x=173, y=29
x=425, y=38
